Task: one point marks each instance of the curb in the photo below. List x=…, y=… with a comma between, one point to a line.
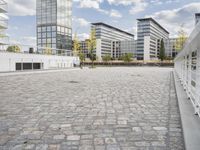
x=2, y=74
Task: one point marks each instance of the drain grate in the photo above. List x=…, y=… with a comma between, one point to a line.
x=138, y=75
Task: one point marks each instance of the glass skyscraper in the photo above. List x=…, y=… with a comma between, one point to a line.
x=54, y=24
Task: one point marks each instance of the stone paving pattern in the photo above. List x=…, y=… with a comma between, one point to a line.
x=91, y=109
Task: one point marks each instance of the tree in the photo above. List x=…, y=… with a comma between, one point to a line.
x=127, y=57
x=77, y=50
x=106, y=58
x=14, y=48
x=162, y=50
x=92, y=46
x=76, y=45
x=82, y=59
x=181, y=40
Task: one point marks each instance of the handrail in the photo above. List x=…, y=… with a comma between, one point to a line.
x=187, y=67
x=192, y=36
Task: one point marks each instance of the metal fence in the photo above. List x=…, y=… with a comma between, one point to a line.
x=187, y=67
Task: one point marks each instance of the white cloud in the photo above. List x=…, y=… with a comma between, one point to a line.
x=82, y=36
x=173, y=19
x=139, y=7
x=81, y=21
x=115, y=13
x=124, y=2
x=21, y=7
x=27, y=41
x=90, y=3
x=136, y=5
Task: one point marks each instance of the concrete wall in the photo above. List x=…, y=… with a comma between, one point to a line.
x=98, y=49
x=147, y=48
x=8, y=61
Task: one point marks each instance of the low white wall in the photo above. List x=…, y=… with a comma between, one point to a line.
x=8, y=61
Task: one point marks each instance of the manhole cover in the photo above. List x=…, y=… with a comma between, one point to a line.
x=73, y=82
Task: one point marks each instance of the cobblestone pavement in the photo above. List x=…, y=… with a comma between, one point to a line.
x=91, y=109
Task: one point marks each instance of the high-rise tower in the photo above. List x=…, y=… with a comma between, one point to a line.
x=54, y=24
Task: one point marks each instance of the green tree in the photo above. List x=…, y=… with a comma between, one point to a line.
x=78, y=51
x=82, y=59
x=92, y=46
x=76, y=46
x=14, y=48
x=181, y=40
x=127, y=57
x=162, y=50
x=106, y=58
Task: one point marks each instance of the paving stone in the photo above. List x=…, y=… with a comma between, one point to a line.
x=160, y=128
x=59, y=137
x=110, y=140
x=29, y=147
x=73, y=137
x=54, y=147
x=137, y=129
x=115, y=108
x=42, y=147
x=98, y=141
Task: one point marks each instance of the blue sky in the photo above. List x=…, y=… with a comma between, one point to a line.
x=171, y=14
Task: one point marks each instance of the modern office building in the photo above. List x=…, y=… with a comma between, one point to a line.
x=109, y=39
x=170, y=47
x=149, y=37
x=129, y=47
x=3, y=24
x=197, y=18
x=54, y=24
x=84, y=47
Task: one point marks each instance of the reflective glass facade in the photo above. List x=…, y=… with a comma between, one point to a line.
x=54, y=21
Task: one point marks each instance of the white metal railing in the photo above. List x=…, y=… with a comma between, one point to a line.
x=187, y=67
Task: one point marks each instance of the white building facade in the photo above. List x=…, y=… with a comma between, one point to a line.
x=20, y=61
x=109, y=40
x=149, y=36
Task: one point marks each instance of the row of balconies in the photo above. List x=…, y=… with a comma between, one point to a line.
x=3, y=22
x=3, y=16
